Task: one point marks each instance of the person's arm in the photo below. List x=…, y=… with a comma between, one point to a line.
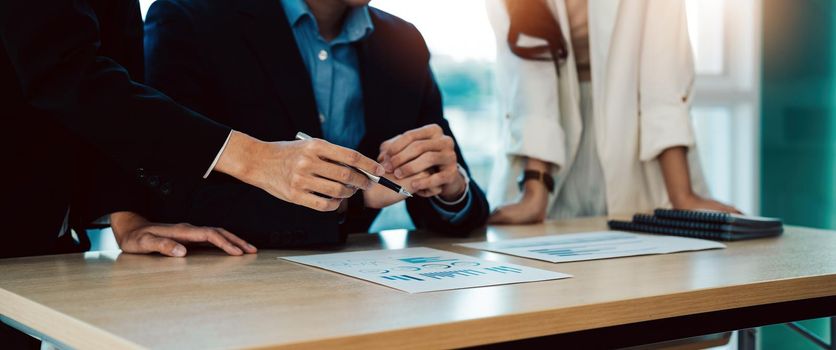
x=529, y=94
x=53, y=48
x=531, y=208
x=674, y=163
x=666, y=88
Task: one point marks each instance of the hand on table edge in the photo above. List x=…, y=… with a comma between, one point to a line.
x=135, y=234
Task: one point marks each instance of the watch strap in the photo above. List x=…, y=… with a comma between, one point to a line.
x=541, y=176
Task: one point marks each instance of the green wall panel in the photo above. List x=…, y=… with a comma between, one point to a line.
x=798, y=143
x=798, y=133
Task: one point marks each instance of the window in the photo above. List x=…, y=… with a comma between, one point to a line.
x=725, y=35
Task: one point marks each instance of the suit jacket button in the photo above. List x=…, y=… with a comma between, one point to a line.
x=166, y=188
x=153, y=181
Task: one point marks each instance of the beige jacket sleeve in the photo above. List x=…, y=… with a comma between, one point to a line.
x=666, y=80
x=528, y=97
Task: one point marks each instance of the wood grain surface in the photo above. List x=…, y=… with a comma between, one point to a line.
x=209, y=300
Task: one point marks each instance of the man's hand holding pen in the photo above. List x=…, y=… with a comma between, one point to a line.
x=379, y=197
x=304, y=172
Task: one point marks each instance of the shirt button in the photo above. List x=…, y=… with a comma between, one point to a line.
x=323, y=55
x=321, y=118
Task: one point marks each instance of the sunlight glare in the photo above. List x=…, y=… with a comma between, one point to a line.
x=459, y=29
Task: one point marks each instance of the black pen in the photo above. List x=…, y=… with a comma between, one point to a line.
x=378, y=179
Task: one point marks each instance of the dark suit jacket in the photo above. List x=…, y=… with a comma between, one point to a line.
x=237, y=60
x=72, y=109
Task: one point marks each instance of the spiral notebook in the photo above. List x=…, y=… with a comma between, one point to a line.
x=717, y=217
x=702, y=224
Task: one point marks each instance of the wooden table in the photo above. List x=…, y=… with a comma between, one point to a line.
x=208, y=300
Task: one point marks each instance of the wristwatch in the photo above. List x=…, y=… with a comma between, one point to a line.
x=545, y=177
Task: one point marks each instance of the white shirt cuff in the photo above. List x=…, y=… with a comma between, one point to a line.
x=452, y=217
x=217, y=157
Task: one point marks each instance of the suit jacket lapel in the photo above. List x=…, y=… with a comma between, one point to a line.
x=375, y=100
x=267, y=32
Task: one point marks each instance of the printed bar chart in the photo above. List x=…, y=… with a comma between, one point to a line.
x=424, y=260
x=593, y=245
x=418, y=270
x=504, y=269
x=452, y=274
x=401, y=278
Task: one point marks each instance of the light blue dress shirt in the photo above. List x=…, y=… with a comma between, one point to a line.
x=335, y=74
x=334, y=70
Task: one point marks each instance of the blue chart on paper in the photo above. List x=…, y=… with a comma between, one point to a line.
x=425, y=259
x=590, y=251
x=567, y=251
x=452, y=274
x=401, y=278
x=420, y=269
x=504, y=269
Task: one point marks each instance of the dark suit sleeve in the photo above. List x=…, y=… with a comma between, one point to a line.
x=420, y=209
x=176, y=64
x=53, y=47
x=104, y=188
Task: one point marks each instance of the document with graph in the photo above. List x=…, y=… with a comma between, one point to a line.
x=593, y=245
x=418, y=270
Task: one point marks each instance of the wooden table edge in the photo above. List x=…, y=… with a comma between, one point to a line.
x=75, y=333
x=495, y=329
x=65, y=331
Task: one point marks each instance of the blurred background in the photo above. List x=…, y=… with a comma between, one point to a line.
x=763, y=110
x=725, y=35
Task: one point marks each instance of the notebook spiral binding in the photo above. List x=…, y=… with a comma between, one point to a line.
x=705, y=216
x=632, y=226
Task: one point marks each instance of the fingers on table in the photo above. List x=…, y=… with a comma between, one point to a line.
x=216, y=236
x=150, y=243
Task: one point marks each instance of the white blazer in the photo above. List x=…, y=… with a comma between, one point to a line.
x=642, y=79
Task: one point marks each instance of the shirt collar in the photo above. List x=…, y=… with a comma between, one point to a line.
x=357, y=26
x=295, y=10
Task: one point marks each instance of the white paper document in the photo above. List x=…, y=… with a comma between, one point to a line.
x=418, y=270
x=593, y=245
